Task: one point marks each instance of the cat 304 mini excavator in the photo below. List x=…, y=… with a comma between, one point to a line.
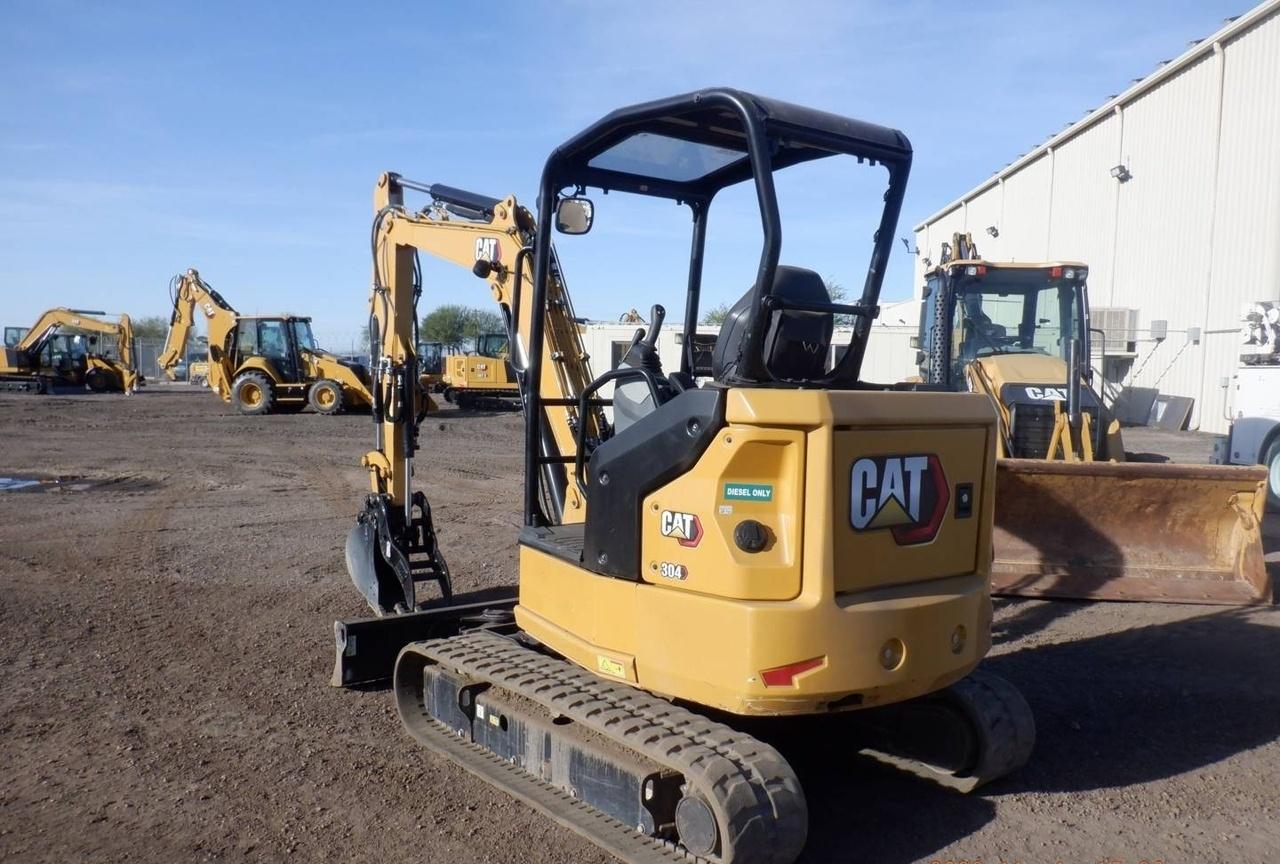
x=261, y=364
x=783, y=542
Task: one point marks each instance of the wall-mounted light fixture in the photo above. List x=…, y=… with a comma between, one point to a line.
x=1121, y=173
x=906, y=244
x=993, y=231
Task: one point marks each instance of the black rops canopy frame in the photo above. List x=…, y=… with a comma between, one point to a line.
x=753, y=137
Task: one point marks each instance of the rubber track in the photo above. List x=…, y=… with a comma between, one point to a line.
x=1000, y=719
x=755, y=794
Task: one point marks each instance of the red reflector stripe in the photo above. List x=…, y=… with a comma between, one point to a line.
x=784, y=676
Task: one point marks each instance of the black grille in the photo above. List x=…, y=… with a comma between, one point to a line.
x=1030, y=430
x=1031, y=427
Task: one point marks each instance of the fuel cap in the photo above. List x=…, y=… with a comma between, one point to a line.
x=751, y=536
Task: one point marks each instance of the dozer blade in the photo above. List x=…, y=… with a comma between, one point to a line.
x=1130, y=531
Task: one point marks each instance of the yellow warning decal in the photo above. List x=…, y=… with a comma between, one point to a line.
x=610, y=667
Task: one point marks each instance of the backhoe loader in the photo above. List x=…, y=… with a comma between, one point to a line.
x=261, y=364
x=784, y=543
x=1073, y=518
x=53, y=352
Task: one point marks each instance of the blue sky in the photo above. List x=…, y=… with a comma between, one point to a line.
x=244, y=139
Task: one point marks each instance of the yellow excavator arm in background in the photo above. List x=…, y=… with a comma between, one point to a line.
x=62, y=318
x=192, y=296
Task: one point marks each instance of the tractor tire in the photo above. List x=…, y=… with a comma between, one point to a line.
x=1271, y=461
x=95, y=381
x=253, y=394
x=326, y=397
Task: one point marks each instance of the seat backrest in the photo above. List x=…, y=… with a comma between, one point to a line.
x=796, y=343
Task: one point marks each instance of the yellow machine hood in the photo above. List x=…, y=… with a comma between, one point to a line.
x=1004, y=369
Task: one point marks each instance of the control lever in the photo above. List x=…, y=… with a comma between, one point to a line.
x=657, y=315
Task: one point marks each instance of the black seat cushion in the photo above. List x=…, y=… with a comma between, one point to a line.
x=796, y=343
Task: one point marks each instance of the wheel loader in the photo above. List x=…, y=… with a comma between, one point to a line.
x=1074, y=519
x=61, y=349
x=260, y=364
x=783, y=543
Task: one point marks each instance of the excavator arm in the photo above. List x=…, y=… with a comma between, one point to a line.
x=192, y=296
x=393, y=544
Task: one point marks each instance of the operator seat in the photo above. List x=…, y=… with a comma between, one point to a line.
x=796, y=343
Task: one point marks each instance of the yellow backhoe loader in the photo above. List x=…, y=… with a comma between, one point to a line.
x=782, y=543
x=260, y=364
x=1073, y=518
x=61, y=348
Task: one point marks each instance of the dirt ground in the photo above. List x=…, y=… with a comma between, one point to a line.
x=167, y=637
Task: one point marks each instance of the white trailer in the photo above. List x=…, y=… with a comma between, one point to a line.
x=1254, y=436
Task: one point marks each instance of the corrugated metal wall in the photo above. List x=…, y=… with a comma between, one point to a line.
x=1191, y=237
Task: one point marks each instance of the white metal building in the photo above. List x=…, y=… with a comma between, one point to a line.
x=1170, y=192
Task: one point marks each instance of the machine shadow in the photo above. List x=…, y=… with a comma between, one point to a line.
x=1031, y=519
x=1146, y=704
x=850, y=796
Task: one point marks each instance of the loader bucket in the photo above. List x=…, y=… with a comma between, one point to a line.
x=1130, y=531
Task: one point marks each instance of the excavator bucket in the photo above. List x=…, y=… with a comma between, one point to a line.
x=1130, y=531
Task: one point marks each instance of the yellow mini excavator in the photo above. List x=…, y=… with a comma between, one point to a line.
x=781, y=543
x=261, y=364
x=1073, y=518
x=483, y=373
x=60, y=349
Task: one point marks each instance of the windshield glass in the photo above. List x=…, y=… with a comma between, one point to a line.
x=1013, y=312
x=302, y=335
x=649, y=154
x=492, y=345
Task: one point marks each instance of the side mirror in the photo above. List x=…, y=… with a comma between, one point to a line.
x=574, y=215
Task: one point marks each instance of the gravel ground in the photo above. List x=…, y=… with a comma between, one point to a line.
x=167, y=632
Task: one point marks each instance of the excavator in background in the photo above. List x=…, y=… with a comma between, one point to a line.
x=261, y=364
x=483, y=373
x=430, y=364
x=59, y=349
x=1074, y=519
x=784, y=543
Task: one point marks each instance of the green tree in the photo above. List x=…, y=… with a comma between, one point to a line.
x=716, y=314
x=151, y=327
x=838, y=295
x=483, y=321
x=456, y=326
